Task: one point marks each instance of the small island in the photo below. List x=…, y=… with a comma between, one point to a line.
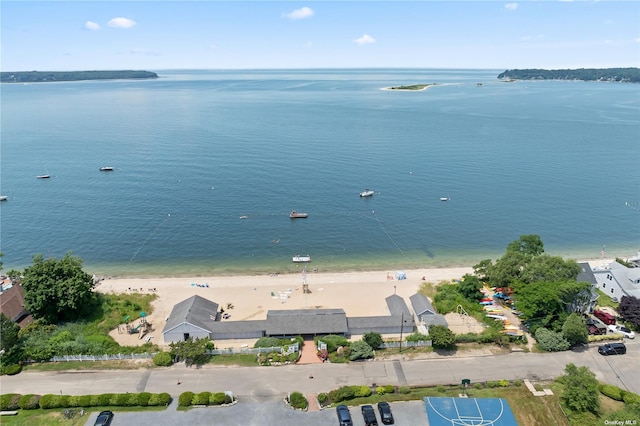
x=624, y=75
x=413, y=87
x=52, y=76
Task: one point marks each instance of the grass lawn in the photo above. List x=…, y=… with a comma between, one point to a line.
x=90, y=365
x=55, y=417
x=605, y=300
x=243, y=360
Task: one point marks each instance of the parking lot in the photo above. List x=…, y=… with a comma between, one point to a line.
x=262, y=413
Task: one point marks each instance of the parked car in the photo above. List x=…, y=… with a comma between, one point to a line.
x=104, y=418
x=344, y=417
x=385, y=413
x=612, y=349
x=369, y=415
x=605, y=317
x=621, y=329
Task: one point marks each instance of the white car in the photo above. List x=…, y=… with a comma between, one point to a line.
x=621, y=329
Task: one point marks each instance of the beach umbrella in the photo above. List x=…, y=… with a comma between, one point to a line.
x=143, y=314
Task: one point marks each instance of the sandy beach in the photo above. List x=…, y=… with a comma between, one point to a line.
x=358, y=293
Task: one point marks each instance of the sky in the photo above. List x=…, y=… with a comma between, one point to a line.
x=160, y=35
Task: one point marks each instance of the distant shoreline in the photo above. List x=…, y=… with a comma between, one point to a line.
x=54, y=76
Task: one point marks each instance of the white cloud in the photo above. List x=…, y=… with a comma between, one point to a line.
x=90, y=25
x=121, y=23
x=365, y=39
x=511, y=6
x=305, y=12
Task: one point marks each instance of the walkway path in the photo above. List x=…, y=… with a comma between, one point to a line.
x=308, y=354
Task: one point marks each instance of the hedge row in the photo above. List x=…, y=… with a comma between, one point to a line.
x=345, y=393
x=12, y=401
x=603, y=337
x=187, y=399
x=618, y=394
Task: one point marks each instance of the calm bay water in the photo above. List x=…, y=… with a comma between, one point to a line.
x=195, y=150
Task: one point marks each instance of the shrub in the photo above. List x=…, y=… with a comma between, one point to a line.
x=361, y=391
x=323, y=398
x=133, y=400
x=228, y=399
x=10, y=401
x=163, y=359
x=417, y=337
x=185, y=399
x=217, y=398
x=29, y=402
x=74, y=401
x=343, y=393
x=404, y=390
x=440, y=389
x=267, y=342
x=332, y=341
x=630, y=398
x=373, y=339
x=201, y=398
x=323, y=354
x=611, y=391
x=503, y=383
x=380, y=390
x=120, y=399
x=551, y=341
x=360, y=350
x=143, y=399
x=441, y=336
x=13, y=369
x=517, y=383
x=47, y=401
x=159, y=399
x=298, y=401
x=478, y=386
x=492, y=384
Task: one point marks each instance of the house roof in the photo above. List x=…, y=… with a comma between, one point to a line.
x=421, y=304
x=586, y=274
x=12, y=305
x=196, y=310
x=306, y=321
x=626, y=278
x=397, y=306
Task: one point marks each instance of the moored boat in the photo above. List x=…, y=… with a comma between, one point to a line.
x=367, y=193
x=298, y=215
x=43, y=176
x=300, y=259
x=106, y=169
x=3, y=198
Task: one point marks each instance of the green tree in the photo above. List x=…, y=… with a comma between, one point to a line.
x=540, y=305
x=373, y=339
x=581, y=390
x=507, y=270
x=441, y=336
x=550, y=341
x=57, y=290
x=360, y=350
x=10, y=349
x=549, y=268
x=575, y=296
x=470, y=287
x=575, y=330
x=481, y=270
x=528, y=244
x=192, y=351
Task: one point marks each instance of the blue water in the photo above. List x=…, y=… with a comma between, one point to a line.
x=195, y=150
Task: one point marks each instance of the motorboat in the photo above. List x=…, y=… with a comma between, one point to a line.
x=3, y=198
x=444, y=198
x=301, y=259
x=106, y=169
x=43, y=176
x=298, y=215
x=367, y=193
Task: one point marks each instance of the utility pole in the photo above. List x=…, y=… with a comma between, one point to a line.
x=401, y=326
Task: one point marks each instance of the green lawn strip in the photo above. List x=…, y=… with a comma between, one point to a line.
x=90, y=365
x=54, y=416
x=605, y=300
x=243, y=360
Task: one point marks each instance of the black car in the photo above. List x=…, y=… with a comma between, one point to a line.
x=104, y=418
x=369, y=416
x=385, y=413
x=612, y=349
x=344, y=417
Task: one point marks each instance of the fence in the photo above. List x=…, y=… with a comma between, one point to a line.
x=234, y=351
x=388, y=345
x=101, y=357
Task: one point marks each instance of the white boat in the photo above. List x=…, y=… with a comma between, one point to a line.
x=297, y=215
x=106, y=169
x=43, y=176
x=3, y=198
x=367, y=193
x=300, y=259
x=444, y=198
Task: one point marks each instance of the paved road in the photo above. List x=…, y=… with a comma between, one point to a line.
x=257, y=386
x=257, y=382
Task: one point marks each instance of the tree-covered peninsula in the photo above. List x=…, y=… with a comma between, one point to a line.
x=50, y=76
x=626, y=75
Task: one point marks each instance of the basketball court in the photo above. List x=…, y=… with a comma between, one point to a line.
x=469, y=412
